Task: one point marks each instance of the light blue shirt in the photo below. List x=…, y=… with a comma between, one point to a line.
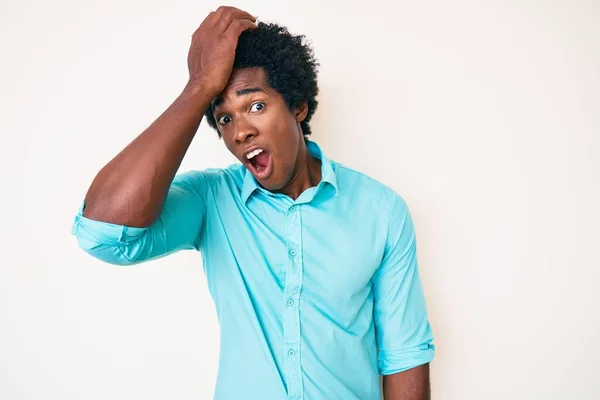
x=315, y=297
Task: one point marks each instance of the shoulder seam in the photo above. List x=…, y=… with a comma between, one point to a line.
x=362, y=174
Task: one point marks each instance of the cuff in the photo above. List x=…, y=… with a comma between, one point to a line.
x=108, y=242
x=391, y=362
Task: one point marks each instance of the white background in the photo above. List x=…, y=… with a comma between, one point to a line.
x=484, y=116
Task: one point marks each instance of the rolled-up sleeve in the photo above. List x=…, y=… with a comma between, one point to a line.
x=404, y=335
x=178, y=227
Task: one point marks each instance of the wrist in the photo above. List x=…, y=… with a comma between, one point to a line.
x=200, y=87
x=199, y=93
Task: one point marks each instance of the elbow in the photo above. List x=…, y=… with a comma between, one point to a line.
x=110, y=254
x=122, y=219
x=112, y=244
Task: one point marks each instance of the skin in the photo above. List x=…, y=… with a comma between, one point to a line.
x=412, y=384
x=247, y=117
x=131, y=189
x=252, y=114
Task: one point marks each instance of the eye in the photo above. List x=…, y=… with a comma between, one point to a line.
x=257, y=107
x=224, y=119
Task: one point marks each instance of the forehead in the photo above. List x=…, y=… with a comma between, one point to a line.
x=244, y=78
x=242, y=82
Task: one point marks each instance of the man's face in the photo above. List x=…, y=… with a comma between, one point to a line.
x=254, y=121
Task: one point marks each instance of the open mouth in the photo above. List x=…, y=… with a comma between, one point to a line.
x=260, y=163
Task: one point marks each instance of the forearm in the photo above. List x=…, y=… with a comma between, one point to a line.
x=412, y=384
x=131, y=189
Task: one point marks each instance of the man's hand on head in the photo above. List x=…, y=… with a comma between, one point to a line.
x=212, y=52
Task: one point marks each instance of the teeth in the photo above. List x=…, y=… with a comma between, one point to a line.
x=254, y=153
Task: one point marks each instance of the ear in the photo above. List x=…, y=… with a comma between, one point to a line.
x=301, y=111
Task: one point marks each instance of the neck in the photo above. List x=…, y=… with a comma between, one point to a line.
x=307, y=173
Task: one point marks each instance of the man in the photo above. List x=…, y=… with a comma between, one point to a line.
x=311, y=265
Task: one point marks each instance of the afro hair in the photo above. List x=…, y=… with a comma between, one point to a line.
x=289, y=64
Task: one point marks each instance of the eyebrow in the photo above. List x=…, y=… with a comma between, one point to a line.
x=219, y=100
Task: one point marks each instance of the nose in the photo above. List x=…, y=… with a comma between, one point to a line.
x=243, y=130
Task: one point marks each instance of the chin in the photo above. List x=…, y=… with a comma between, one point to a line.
x=275, y=182
x=272, y=185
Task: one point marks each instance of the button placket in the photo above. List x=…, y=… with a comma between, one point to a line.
x=291, y=309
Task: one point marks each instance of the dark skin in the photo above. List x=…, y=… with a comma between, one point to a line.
x=247, y=118
x=412, y=384
x=131, y=189
x=251, y=114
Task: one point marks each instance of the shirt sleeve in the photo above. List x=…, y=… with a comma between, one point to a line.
x=178, y=227
x=404, y=335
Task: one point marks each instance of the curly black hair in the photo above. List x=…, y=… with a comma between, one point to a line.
x=289, y=64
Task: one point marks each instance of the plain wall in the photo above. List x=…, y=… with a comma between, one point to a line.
x=483, y=116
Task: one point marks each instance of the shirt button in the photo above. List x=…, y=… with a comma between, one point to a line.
x=292, y=209
x=290, y=302
x=291, y=353
x=293, y=253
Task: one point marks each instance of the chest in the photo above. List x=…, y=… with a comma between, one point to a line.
x=328, y=248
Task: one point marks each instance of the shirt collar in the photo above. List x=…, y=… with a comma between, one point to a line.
x=327, y=173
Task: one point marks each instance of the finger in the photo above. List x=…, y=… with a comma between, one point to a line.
x=214, y=16
x=238, y=26
x=209, y=20
x=229, y=14
x=235, y=12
